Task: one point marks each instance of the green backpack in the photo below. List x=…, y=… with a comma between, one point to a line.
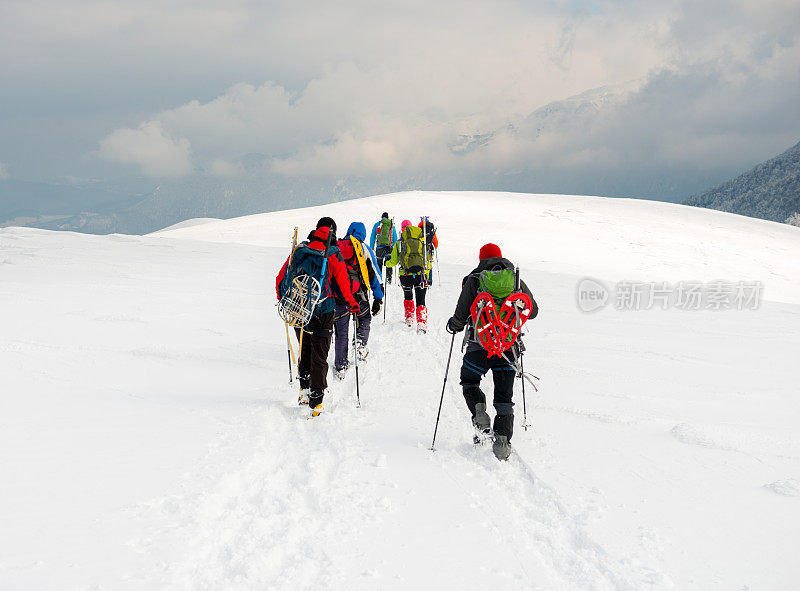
x=499, y=284
x=412, y=246
x=385, y=233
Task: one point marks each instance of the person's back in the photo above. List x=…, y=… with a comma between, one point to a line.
x=314, y=335
x=412, y=250
x=409, y=254
x=484, y=354
x=382, y=238
x=362, y=276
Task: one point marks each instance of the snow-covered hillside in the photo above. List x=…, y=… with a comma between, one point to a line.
x=149, y=438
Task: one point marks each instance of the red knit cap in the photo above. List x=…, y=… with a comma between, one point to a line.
x=489, y=251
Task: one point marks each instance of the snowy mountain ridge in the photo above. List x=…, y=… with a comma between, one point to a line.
x=770, y=190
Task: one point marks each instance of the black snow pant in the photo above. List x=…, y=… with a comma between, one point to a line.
x=476, y=363
x=342, y=330
x=381, y=254
x=412, y=287
x=313, y=366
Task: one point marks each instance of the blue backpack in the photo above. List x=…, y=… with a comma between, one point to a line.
x=310, y=261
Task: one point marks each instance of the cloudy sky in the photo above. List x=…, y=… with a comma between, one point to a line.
x=163, y=90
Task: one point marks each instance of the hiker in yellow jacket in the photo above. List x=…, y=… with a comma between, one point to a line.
x=410, y=254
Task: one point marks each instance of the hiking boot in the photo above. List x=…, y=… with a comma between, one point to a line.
x=315, y=399
x=501, y=447
x=363, y=351
x=341, y=372
x=408, y=306
x=303, y=398
x=305, y=382
x=422, y=319
x=481, y=420
x=316, y=411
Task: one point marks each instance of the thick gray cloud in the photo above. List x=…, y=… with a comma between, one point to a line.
x=363, y=88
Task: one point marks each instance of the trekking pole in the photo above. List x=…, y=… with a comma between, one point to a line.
x=300, y=349
x=525, y=424
x=355, y=354
x=385, y=294
x=446, y=371
x=438, y=272
x=424, y=247
x=289, y=351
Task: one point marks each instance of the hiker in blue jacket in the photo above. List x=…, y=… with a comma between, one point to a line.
x=385, y=235
x=363, y=275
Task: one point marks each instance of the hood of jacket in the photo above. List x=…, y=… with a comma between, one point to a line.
x=357, y=230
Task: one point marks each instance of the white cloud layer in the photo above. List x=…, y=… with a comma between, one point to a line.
x=364, y=88
x=4, y=174
x=157, y=154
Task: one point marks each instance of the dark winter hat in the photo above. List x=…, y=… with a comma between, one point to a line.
x=326, y=222
x=384, y=215
x=489, y=251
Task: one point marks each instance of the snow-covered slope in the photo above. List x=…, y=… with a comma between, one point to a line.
x=614, y=239
x=149, y=438
x=187, y=224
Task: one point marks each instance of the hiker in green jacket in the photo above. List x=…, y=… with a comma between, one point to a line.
x=409, y=254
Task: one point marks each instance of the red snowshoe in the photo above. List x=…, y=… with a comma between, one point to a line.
x=497, y=330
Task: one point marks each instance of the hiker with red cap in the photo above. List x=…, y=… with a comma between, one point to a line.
x=318, y=257
x=409, y=253
x=493, y=305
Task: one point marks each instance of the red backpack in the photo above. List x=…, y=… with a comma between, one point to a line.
x=357, y=286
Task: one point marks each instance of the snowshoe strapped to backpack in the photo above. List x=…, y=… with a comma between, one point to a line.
x=499, y=311
x=304, y=291
x=412, y=247
x=429, y=232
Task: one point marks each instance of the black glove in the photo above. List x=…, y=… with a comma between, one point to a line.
x=376, y=307
x=449, y=328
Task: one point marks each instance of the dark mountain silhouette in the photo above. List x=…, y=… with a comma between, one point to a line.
x=770, y=191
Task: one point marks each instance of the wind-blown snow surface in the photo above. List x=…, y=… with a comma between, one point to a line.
x=149, y=437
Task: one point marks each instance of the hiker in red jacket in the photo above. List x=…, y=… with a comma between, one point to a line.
x=313, y=363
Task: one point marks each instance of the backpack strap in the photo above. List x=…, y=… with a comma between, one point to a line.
x=362, y=263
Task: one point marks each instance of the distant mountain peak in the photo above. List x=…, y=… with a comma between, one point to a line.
x=770, y=190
